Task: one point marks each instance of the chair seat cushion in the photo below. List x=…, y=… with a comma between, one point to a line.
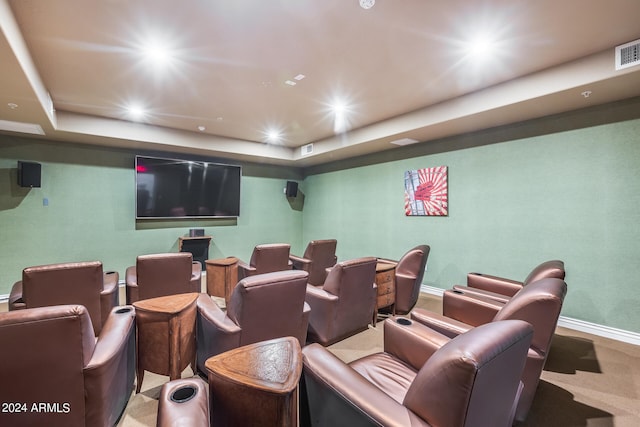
x=390, y=375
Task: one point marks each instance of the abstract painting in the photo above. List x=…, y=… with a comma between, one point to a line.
x=425, y=192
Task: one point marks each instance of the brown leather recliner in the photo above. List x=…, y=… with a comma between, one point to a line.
x=261, y=307
x=318, y=256
x=266, y=258
x=408, y=277
x=343, y=306
x=501, y=289
x=157, y=275
x=65, y=376
x=538, y=303
x=421, y=379
x=81, y=283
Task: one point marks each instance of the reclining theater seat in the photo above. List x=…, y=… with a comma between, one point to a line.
x=318, y=256
x=261, y=307
x=81, y=283
x=501, y=289
x=422, y=378
x=158, y=275
x=266, y=258
x=51, y=358
x=408, y=277
x=538, y=304
x=343, y=306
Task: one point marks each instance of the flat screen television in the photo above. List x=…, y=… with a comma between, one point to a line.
x=172, y=188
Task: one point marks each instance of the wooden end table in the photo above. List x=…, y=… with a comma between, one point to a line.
x=256, y=384
x=166, y=338
x=222, y=277
x=386, y=283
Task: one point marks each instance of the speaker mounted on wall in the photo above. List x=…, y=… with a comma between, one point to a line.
x=29, y=174
x=292, y=189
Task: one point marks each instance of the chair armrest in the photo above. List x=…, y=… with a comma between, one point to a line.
x=321, y=319
x=184, y=402
x=113, y=335
x=411, y=342
x=501, y=298
x=196, y=277
x=444, y=325
x=495, y=284
x=109, y=294
x=471, y=309
x=306, y=312
x=131, y=281
x=388, y=261
x=15, y=297
x=215, y=332
x=111, y=369
x=299, y=263
x=332, y=393
x=245, y=270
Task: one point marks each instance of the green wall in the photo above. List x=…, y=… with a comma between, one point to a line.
x=565, y=187
x=91, y=213
x=572, y=195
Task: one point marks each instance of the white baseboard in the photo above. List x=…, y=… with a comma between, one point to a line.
x=575, y=324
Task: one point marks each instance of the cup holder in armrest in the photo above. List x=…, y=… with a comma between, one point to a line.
x=123, y=310
x=457, y=291
x=476, y=274
x=403, y=321
x=183, y=394
x=110, y=272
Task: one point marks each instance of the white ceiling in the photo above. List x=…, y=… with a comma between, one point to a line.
x=71, y=66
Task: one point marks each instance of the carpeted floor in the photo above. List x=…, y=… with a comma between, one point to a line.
x=587, y=381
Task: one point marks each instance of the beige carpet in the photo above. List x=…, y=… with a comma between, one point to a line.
x=587, y=381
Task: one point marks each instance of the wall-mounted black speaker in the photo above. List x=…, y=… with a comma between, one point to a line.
x=29, y=174
x=292, y=189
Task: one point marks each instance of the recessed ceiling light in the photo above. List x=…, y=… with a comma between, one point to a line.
x=404, y=141
x=273, y=135
x=202, y=128
x=136, y=112
x=299, y=77
x=12, y=105
x=290, y=82
x=367, y=4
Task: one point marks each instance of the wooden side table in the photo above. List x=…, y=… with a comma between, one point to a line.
x=166, y=338
x=386, y=283
x=222, y=277
x=257, y=384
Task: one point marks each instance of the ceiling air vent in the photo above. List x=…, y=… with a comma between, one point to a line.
x=628, y=55
x=6, y=125
x=305, y=150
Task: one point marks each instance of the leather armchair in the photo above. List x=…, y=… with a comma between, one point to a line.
x=501, y=289
x=408, y=277
x=184, y=402
x=318, y=256
x=81, y=283
x=422, y=378
x=266, y=258
x=539, y=304
x=261, y=307
x=158, y=275
x=343, y=306
x=51, y=357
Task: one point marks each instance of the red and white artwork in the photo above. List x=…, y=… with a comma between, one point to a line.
x=425, y=192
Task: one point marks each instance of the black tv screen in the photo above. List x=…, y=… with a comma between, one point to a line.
x=171, y=188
